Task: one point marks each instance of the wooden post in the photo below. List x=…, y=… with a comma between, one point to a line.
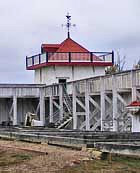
x=15, y=110
x=42, y=105
x=102, y=101
x=134, y=95
x=133, y=85
x=51, y=109
x=74, y=107
x=87, y=105
x=115, y=105
x=61, y=101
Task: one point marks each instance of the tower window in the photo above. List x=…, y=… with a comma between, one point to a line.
x=62, y=81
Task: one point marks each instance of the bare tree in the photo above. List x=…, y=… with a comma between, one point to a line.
x=137, y=65
x=118, y=65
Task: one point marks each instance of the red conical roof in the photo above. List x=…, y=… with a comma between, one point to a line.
x=70, y=45
x=67, y=45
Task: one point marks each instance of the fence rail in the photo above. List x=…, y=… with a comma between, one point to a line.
x=70, y=57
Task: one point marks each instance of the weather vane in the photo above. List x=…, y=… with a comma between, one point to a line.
x=68, y=25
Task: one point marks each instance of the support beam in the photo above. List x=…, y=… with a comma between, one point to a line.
x=11, y=109
x=102, y=100
x=42, y=105
x=94, y=103
x=51, y=109
x=56, y=104
x=61, y=101
x=87, y=106
x=134, y=98
x=115, y=105
x=10, y=105
x=15, y=110
x=121, y=99
x=80, y=113
x=96, y=125
x=138, y=95
x=92, y=116
x=74, y=107
x=133, y=85
x=37, y=108
x=108, y=99
x=80, y=103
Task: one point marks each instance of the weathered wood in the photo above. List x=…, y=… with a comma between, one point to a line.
x=37, y=108
x=74, y=107
x=102, y=100
x=42, y=105
x=80, y=103
x=56, y=104
x=95, y=103
x=118, y=86
x=51, y=109
x=115, y=105
x=61, y=101
x=87, y=110
x=15, y=110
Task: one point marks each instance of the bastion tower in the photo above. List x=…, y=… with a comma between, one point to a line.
x=67, y=61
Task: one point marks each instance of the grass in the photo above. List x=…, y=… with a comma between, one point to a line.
x=118, y=165
x=130, y=162
x=7, y=158
x=22, y=156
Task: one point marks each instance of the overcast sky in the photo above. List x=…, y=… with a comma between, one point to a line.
x=101, y=25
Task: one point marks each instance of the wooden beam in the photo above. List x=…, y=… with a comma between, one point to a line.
x=80, y=113
x=108, y=99
x=133, y=85
x=138, y=94
x=15, y=110
x=121, y=99
x=87, y=106
x=102, y=101
x=92, y=115
x=51, y=109
x=42, y=106
x=96, y=125
x=61, y=101
x=80, y=103
x=56, y=104
x=74, y=106
x=37, y=108
x=115, y=105
x=11, y=109
x=94, y=103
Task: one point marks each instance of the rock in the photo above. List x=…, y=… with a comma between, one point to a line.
x=94, y=154
x=76, y=162
x=86, y=159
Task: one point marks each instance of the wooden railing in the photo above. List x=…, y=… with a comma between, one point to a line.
x=122, y=81
x=69, y=57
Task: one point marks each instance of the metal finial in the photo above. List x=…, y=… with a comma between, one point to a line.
x=68, y=25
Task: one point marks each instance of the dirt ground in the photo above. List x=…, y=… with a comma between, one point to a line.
x=16, y=156
x=22, y=157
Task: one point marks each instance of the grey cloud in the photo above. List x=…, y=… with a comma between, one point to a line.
x=101, y=25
